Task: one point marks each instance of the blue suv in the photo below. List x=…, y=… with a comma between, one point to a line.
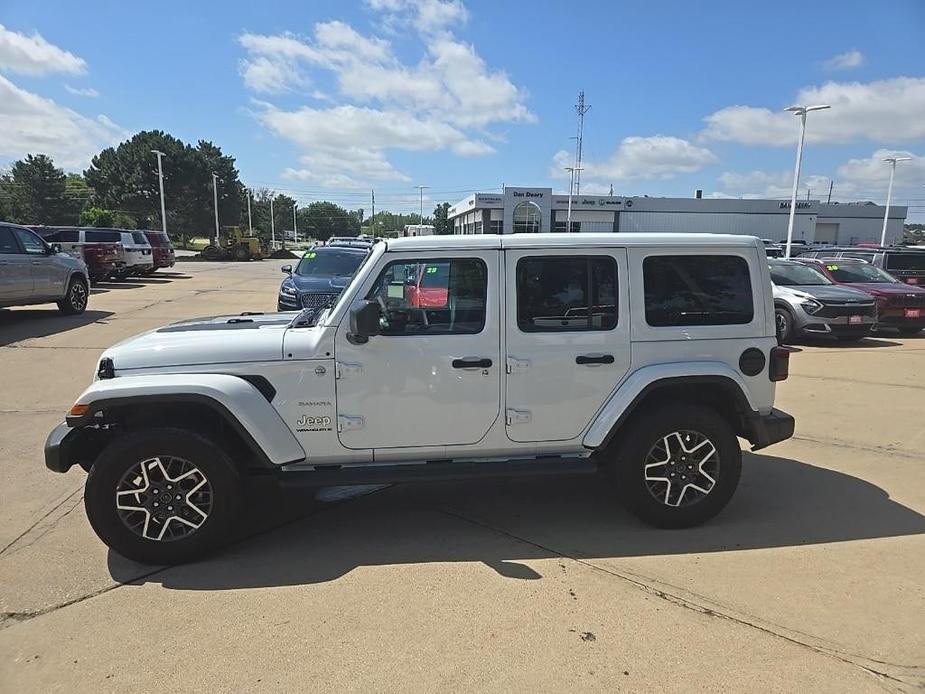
x=320, y=276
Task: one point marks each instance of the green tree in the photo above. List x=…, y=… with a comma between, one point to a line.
x=125, y=178
x=34, y=192
x=322, y=220
x=99, y=217
x=441, y=223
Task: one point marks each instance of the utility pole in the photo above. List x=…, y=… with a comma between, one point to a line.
x=808, y=191
x=581, y=109
x=889, y=194
x=250, y=223
x=421, y=189
x=295, y=222
x=272, y=227
x=160, y=180
x=215, y=202
x=800, y=111
x=568, y=219
x=831, y=186
x=372, y=219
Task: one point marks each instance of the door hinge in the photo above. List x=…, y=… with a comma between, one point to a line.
x=349, y=422
x=517, y=416
x=342, y=369
x=515, y=365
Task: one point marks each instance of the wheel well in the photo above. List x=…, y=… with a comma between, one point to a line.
x=721, y=394
x=192, y=416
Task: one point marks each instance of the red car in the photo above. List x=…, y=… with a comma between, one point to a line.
x=162, y=250
x=429, y=289
x=899, y=305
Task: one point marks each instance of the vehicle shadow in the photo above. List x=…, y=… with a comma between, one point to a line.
x=865, y=343
x=117, y=285
x=23, y=324
x=780, y=503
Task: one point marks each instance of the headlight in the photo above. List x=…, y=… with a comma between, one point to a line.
x=287, y=290
x=810, y=305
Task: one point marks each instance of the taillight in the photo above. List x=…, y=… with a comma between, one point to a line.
x=779, y=367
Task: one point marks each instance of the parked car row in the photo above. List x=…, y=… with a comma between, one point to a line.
x=113, y=253
x=846, y=298
x=58, y=264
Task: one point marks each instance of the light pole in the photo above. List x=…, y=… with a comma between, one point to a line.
x=215, y=202
x=160, y=180
x=889, y=194
x=421, y=222
x=568, y=219
x=295, y=223
x=800, y=111
x=250, y=223
x=272, y=227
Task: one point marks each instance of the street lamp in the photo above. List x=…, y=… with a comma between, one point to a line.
x=421, y=221
x=800, y=111
x=295, y=223
x=215, y=203
x=250, y=222
x=160, y=179
x=272, y=227
x=889, y=194
x=571, y=182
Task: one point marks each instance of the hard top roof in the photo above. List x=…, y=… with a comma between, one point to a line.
x=563, y=240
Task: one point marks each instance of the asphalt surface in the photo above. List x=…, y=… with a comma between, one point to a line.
x=811, y=580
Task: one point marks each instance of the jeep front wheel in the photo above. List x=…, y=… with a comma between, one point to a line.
x=678, y=466
x=162, y=496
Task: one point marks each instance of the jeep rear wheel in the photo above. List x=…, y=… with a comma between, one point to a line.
x=163, y=496
x=678, y=466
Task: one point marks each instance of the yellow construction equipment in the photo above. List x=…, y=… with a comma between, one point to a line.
x=235, y=245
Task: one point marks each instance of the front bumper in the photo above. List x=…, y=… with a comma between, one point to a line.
x=766, y=429
x=285, y=302
x=57, y=447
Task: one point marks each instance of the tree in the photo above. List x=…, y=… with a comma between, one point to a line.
x=98, y=217
x=34, y=192
x=322, y=220
x=441, y=223
x=125, y=178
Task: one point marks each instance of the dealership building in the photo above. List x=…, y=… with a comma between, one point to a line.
x=525, y=210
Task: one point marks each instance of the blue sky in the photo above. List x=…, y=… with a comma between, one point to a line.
x=325, y=100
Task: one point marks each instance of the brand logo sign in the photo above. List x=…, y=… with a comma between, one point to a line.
x=800, y=205
x=309, y=423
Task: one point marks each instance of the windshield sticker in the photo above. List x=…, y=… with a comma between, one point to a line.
x=831, y=267
x=310, y=255
x=431, y=270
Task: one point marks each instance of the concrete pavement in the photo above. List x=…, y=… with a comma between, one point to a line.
x=810, y=580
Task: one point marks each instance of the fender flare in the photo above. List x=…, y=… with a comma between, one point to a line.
x=236, y=399
x=639, y=384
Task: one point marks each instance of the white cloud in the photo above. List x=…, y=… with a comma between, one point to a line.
x=873, y=173
x=882, y=111
x=446, y=101
x=769, y=184
x=659, y=156
x=33, y=55
x=33, y=124
x=845, y=61
x=78, y=91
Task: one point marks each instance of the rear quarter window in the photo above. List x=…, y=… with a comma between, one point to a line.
x=94, y=236
x=139, y=238
x=682, y=290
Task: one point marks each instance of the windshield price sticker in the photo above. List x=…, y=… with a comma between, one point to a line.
x=831, y=267
x=310, y=255
x=431, y=270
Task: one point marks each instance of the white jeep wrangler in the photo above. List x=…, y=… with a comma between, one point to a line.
x=642, y=356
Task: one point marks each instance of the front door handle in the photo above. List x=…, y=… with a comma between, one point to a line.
x=472, y=363
x=589, y=359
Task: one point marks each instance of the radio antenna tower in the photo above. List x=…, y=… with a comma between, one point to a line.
x=581, y=109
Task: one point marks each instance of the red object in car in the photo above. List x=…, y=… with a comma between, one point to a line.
x=161, y=249
x=430, y=288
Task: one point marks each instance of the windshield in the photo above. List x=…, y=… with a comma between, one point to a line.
x=906, y=261
x=793, y=274
x=859, y=272
x=329, y=263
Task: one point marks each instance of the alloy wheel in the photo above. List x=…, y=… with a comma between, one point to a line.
x=681, y=468
x=78, y=296
x=164, y=498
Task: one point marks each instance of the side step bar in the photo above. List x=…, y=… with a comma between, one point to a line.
x=324, y=475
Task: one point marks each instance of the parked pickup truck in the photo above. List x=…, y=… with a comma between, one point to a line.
x=161, y=251
x=104, y=259
x=641, y=357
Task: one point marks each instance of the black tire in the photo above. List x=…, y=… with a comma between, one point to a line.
x=149, y=271
x=909, y=331
x=242, y=253
x=114, y=468
x=75, y=298
x=212, y=253
x=783, y=324
x=644, y=437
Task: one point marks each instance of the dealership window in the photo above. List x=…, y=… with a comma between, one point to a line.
x=497, y=226
x=444, y=296
x=561, y=226
x=697, y=290
x=566, y=293
x=527, y=218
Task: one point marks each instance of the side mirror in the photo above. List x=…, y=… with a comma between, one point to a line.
x=55, y=248
x=364, y=320
x=287, y=269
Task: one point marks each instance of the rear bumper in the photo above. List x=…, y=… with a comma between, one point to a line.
x=766, y=429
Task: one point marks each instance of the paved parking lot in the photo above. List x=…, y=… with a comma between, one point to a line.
x=811, y=580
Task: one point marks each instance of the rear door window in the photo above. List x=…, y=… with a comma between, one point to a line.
x=8, y=245
x=96, y=236
x=566, y=293
x=139, y=238
x=685, y=290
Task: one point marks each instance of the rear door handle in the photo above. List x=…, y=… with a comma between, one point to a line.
x=471, y=363
x=589, y=359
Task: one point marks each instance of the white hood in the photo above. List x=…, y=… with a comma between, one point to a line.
x=214, y=340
